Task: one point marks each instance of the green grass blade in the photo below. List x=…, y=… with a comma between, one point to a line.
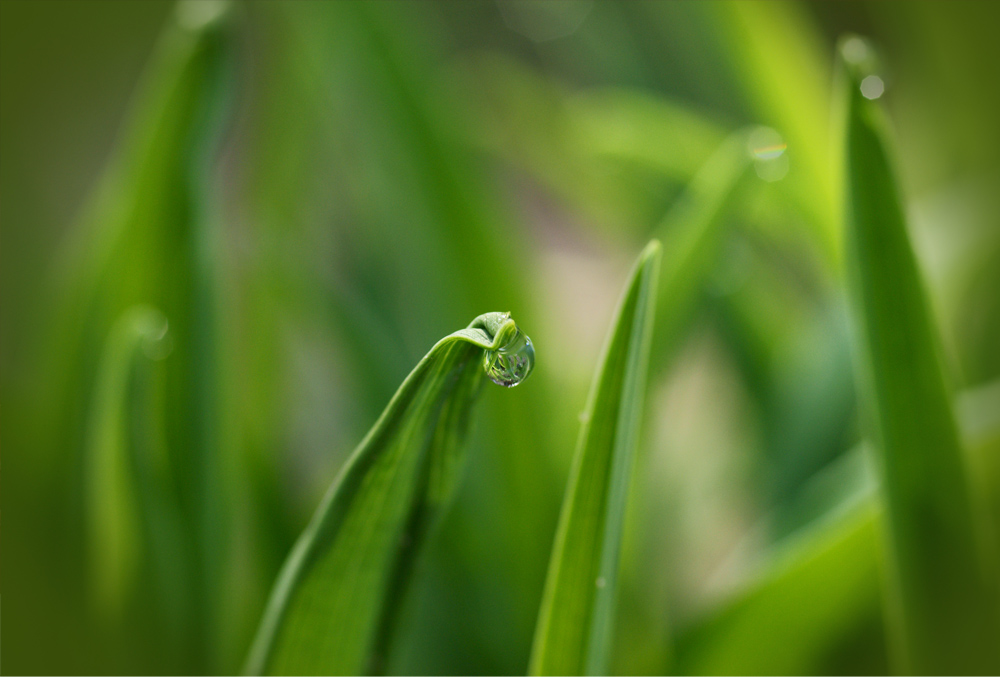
x=694, y=230
x=114, y=444
x=787, y=600
x=648, y=130
x=979, y=414
x=332, y=606
x=945, y=609
x=812, y=590
x=575, y=620
x=588, y=148
x=785, y=80
x=807, y=599
x=145, y=240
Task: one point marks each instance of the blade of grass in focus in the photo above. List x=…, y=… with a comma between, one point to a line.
x=334, y=603
x=375, y=63
x=944, y=604
x=575, y=620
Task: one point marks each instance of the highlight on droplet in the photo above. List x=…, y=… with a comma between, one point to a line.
x=872, y=87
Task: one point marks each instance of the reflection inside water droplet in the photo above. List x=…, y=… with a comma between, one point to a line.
x=512, y=362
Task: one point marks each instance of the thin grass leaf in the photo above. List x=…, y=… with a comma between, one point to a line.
x=785, y=79
x=569, y=142
x=332, y=607
x=978, y=411
x=112, y=486
x=573, y=635
x=648, y=130
x=943, y=593
x=694, y=230
x=382, y=103
x=813, y=590
x=787, y=600
x=792, y=619
x=146, y=239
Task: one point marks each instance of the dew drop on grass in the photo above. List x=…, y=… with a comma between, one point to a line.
x=872, y=87
x=157, y=341
x=767, y=149
x=856, y=50
x=512, y=362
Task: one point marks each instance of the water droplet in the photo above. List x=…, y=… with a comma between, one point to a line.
x=768, y=151
x=600, y=582
x=157, y=341
x=856, y=50
x=864, y=64
x=194, y=15
x=872, y=87
x=511, y=363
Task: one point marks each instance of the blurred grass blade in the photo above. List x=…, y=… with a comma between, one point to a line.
x=945, y=602
x=575, y=620
x=815, y=591
x=821, y=585
x=112, y=485
x=785, y=78
x=332, y=607
x=693, y=230
x=649, y=130
x=146, y=238
x=589, y=147
x=978, y=412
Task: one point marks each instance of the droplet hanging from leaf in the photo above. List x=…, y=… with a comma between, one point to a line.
x=512, y=362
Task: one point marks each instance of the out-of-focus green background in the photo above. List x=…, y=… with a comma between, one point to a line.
x=310, y=194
